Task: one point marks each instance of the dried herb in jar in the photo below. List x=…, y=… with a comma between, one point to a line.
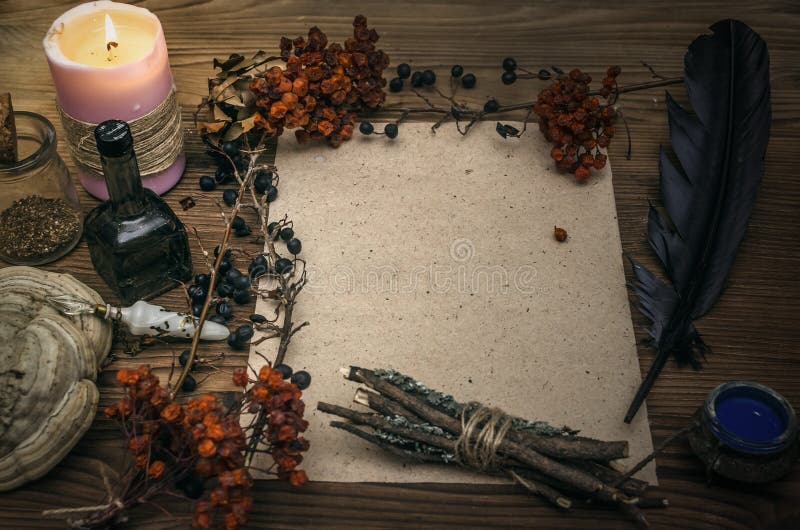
x=34, y=227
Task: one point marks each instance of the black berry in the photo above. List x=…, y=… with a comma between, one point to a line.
x=223, y=173
x=241, y=163
x=224, y=266
x=396, y=85
x=508, y=77
x=403, y=70
x=302, y=379
x=229, y=197
x=219, y=319
x=457, y=70
x=224, y=310
x=272, y=193
x=242, y=282
x=189, y=384
x=203, y=280
x=366, y=127
x=294, y=246
x=262, y=180
x=390, y=130
x=284, y=369
x=287, y=233
x=230, y=149
x=468, y=81
x=258, y=266
x=244, y=333
x=241, y=297
x=191, y=290
x=207, y=183
x=225, y=290
x=258, y=319
x=233, y=343
x=237, y=223
x=243, y=232
x=416, y=79
x=428, y=77
x=184, y=358
x=283, y=265
x=509, y=64
x=228, y=252
x=232, y=274
x=197, y=309
x=199, y=295
x=491, y=106
x=272, y=228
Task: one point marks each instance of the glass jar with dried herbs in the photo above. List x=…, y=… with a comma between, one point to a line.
x=40, y=216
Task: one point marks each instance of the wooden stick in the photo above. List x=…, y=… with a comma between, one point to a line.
x=8, y=131
x=660, y=447
x=371, y=438
x=387, y=407
x=545, y=491
x=631, y=486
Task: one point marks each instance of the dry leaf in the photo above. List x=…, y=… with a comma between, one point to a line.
x=248, y=123
x=211, y=127
x=234, y=132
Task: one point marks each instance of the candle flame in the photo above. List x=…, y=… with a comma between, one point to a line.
x=111, y=31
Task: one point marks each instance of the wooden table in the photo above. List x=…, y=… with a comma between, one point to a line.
x=752, y=329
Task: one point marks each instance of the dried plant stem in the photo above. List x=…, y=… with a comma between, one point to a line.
x=660, y=447
x=461, y=112
x=214, y=272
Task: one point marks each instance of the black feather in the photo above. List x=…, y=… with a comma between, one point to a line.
x=708, y=188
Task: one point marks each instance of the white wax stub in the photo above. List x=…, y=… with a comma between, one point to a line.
x=151, y=320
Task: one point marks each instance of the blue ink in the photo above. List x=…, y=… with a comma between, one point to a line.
x=750, y=418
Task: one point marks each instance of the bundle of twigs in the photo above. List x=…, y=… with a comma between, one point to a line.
x=413, y=421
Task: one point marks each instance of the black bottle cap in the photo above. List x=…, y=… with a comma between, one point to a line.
x=113, y=138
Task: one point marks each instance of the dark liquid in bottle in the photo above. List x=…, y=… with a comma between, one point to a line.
x=137, y=243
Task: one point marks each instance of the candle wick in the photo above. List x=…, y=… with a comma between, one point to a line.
x=109, y=45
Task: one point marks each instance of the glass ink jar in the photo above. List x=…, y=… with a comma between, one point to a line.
x=137, y=243
x=746, y=432
x=40, y=215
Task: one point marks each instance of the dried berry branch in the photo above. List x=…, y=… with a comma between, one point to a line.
x=214, y=271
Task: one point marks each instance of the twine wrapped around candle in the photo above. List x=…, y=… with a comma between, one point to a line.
x=158, y=138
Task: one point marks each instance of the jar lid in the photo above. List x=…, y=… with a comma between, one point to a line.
x=113, y=138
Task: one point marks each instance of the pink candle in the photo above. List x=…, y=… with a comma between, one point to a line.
x=97, y=81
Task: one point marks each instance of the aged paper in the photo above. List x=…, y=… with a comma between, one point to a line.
x=434, y=254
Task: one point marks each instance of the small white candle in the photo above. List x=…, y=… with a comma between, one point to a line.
x=109, y=61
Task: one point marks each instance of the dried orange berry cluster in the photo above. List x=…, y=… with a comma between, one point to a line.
x=576, y=123
x=279, y=401
x=187, y=446
x=322, y=85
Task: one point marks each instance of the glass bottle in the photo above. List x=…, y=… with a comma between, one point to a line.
x=40, y=216
x=137, y=243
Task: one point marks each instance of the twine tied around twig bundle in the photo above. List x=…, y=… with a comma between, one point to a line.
x=157, y=136
x=482, y=432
